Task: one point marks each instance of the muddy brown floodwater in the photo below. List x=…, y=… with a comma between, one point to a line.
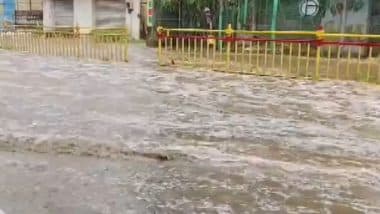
x=91, y=137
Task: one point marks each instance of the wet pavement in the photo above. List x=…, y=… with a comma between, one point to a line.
x=91, y=137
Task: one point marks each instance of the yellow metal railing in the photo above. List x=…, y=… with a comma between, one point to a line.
x=102, y=44
x=294, y=54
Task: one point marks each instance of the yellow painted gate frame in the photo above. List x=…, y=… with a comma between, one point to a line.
x=308, y=54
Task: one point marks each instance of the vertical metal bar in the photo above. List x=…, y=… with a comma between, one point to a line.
x=265, y=57
x=228, y=52
x=67, y=44
x=166, y=46
x=110, y=44
x=282, y=58
x=250, y=56
x=64, y=45
x=109, y=47
x=1, y=40
x=299, y=60
x=107, y=44
x=57, y=44
x=38, y=44
x=104, y=47
x=177, y=45
x=24, y=43
x=77, y=43
x=369, y=64
x=82, y=46
x=94, y=44
x=318, y=63
x=221, y=50
x=358, y=64
x=258, y=57
x=120, y=45
x=45, y=45
x=117, y=40
x=242, y=61
x=208, y=53
x=50, y=44
x=126, y=45
x=183, y=50
x=289, y=72
x=95, y=49
x=114, y=40
x=236, y=51
x=33, y=43
x=201, y=51
x=189, y=50
x=307, y=60
x=337, y=62
x=378, y=74
x=213, y=54
x=29, y=42
x=13, y=43
x=159, y=52
x=348, y=63
x=328, y=62
x=101, y=47
x=274, y=58
x=89, y=41
x=172, y=55
x=195, y=50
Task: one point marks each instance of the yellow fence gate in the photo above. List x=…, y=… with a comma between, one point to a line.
x=102, y=44
x=308, y=54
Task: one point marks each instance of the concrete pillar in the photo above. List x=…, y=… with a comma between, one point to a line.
x=84, y=16
x=48, y=15
x=133, y=19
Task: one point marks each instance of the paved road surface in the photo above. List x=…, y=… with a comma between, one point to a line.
x=90, y=137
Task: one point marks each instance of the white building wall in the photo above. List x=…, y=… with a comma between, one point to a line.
x=87, y=15
x=110, y=13
x=29, y=5
x=48, y=15
x=84, y=15
x=133, y=19
x=63, y=12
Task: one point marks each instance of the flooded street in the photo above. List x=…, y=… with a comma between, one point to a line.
x=90, y=137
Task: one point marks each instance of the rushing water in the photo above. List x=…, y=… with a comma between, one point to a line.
x=235, y=144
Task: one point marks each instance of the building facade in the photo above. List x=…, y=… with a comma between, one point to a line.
x=87, y=15
x=20, y=13
x=7, y=13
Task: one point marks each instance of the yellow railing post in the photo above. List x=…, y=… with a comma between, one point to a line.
x=159, y=52
x=320, y=36
x=126, y=44
x=76, y=36
x=229, y=33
